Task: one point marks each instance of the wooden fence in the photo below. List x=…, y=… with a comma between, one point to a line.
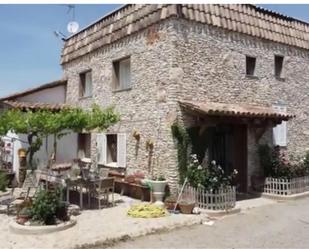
x=221, y=199
x=280, y=186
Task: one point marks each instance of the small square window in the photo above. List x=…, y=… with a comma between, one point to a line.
x=250, y=65
x=85, y=87
x=278, y=65
x=122, y=74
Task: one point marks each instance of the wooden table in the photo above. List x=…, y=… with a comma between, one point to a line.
x=80, y=183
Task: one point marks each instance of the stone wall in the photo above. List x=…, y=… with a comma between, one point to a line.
x=212, y=62
x=185, y=60
x=145, y=108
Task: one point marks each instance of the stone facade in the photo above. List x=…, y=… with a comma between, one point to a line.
x=190, y=61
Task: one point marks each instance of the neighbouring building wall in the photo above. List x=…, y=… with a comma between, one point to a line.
x=66, y=146
x=66, y=150
x=52, y=95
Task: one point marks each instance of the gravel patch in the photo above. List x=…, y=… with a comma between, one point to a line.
x=95, y=227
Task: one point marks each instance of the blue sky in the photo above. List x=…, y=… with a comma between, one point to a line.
x=30, y=52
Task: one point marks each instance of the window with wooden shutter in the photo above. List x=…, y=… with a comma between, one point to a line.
x=85, y=88
x=121, y=150
x=280, y=131
x=101, y=148
x=122, y=74
x=84, y=145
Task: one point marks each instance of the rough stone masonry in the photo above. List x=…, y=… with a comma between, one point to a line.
x=185, y=60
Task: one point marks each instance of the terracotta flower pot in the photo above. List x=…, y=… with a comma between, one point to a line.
x=170, y=205
x=186, y=208
x=22, y=219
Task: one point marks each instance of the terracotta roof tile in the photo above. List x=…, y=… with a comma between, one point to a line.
x=243, y=18
x=236, y=110
x=34, y=106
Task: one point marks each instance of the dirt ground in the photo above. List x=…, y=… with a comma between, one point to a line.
x=94, y=227
x=281, y=225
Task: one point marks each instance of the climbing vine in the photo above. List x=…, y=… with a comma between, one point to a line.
x=183, y=142
x=42, y=123
x=189, y=141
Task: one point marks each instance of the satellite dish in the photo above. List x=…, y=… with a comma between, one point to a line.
x=73, y=27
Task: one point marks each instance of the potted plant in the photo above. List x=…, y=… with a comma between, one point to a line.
x=170, y=202
x=157, y=186
x=186, y=205
x=24, y=215
x=45, y=206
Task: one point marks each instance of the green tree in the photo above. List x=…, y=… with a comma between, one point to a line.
x=42, y=123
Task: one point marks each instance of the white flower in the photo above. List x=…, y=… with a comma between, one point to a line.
x=195, y=161
x=235, y=171
x=213, y=162
x=199, y=167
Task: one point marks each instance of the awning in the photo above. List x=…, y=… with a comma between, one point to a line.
x=234, y=110
x=24, y=106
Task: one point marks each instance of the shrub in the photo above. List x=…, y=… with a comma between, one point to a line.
x=46, y=206
x=277, y=164
x=3, y=181
x=210, y=177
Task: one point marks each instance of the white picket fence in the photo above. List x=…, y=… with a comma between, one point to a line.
x=280, y=186
x=221, y=199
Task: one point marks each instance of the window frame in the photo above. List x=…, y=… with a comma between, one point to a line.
x=277, y=56
x=277, y=130
x=84, y=144
x=121, y=150
x=116, y=84
x=82, y=84
x=253, y=75
x=107, y=147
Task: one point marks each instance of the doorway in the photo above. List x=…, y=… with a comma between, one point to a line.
x=228, y=147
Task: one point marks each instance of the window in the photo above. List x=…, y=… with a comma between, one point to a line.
x=85, y=89
x=84, y=145
x=280, y=131
x=111, y=146
x=250, y=65
x=111, y=149
x=278, y=65
x=122, y=74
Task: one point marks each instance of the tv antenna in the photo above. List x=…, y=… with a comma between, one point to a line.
x=72, y=26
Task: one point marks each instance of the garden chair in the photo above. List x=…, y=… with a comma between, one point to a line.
x=28, y=191
x=103, y=188
x=103, y=172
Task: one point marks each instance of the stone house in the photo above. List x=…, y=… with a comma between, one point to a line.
x=237, y=72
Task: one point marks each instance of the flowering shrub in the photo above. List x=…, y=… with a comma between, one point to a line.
x=277, y=164
x=196, y=173
x=210, y=177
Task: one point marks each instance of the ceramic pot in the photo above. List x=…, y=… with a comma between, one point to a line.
x=158, y=191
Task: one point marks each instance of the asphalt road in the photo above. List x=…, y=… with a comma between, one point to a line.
x=281, y=225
